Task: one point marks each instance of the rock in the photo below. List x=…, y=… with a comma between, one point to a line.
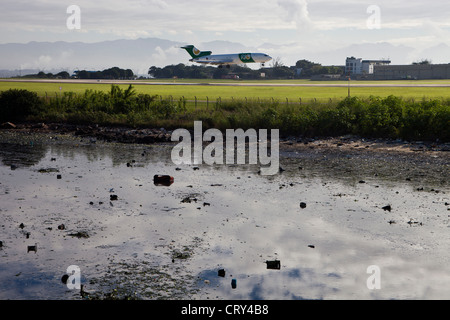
x=61, y=227
x=163, y=180
x=233, y=283
x=1, y=244
x=311, y=246
x=276, y=264
x=387, y=208
x=21, y=226
x=32, y=248
x=113, y=197
x=64, y=278
x=302, y=205
x=59, y=177
x=221, y=273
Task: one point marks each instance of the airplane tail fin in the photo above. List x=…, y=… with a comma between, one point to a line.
x=195, y=53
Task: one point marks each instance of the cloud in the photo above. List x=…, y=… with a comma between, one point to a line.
x=296, y=11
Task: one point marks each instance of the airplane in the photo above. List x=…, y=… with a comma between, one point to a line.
x=206, y=57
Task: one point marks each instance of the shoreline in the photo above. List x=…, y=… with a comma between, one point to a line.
x=123, y=134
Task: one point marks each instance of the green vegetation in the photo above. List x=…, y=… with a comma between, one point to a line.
x=387, y=117
x=227, y=89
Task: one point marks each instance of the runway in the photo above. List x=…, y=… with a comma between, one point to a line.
x=261, y=83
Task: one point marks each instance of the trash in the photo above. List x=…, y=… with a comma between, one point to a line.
x=65, y=278
x=221, y=273
x=32, y=248
x=80, y=234
x=302, y=205
x=276, y=264
x=8, y=125
x=163, y=180
x=233, y=283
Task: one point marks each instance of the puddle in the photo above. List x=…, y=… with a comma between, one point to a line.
x=169, y=242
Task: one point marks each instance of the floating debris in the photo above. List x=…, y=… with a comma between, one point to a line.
x=233, y=283
x=32, y=248
x=80, y=234
x=163, y=180
x=276, y=264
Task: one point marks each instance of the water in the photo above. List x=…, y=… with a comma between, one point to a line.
x=151, y=244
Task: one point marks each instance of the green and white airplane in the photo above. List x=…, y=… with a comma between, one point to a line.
x=206, y=57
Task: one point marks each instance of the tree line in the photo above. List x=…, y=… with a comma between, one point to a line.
x=302, y=69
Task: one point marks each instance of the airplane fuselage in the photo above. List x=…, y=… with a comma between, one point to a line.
x=228, y=59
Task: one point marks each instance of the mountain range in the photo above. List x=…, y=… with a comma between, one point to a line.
x=140, y=54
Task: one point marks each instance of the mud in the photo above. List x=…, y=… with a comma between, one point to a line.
x=169, y=242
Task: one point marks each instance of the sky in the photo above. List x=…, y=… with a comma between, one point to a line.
x=306, y=26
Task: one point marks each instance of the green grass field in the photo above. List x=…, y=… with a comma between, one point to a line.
x=293, y=94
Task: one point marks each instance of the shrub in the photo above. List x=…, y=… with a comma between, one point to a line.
x=17, y=105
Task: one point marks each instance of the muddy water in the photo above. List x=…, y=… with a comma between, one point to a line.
x=169, y=242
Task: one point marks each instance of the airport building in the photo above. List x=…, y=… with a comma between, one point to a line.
x=358, y=66
x=414, y=71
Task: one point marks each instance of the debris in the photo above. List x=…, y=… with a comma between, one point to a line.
x=302, y=205
x=276, y=264
x=233, y=283
x=79, y=234
x=311, y=246
x=196, y=168
x=163, y=180
x=64, y=278
x=21, y=226
x=221, y=273
x=387, y=208
x=13, y=167
x=1, y=244
x=58, y=177
x=32, y=248
x=61, y=227
x=8, y=125
x=206, y=204
x=113, y=197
